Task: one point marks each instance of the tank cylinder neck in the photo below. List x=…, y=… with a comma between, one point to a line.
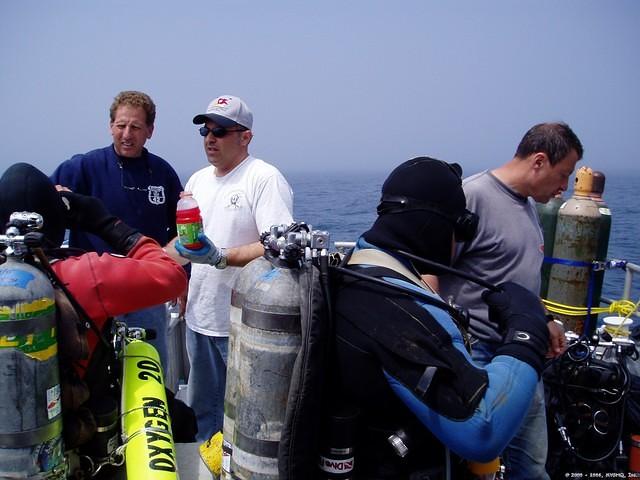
x=583, y=185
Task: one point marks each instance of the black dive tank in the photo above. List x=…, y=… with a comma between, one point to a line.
x=269, y=340
x=576, y=243
x=30, y=410
x=604, y=230
x=548, y=214
x=243, y=283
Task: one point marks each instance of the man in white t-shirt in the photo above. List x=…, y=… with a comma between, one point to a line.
x=240, y=197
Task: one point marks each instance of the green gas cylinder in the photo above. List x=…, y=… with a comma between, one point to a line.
x=548, y=215
x=604, y=231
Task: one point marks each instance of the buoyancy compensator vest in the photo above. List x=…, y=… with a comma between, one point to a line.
x=406, y=341
x=306, y=410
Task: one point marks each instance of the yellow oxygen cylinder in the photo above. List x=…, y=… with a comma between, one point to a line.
x=146, y=426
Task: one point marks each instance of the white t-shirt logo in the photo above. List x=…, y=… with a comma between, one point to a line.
x=235, y=201
x=156, y=194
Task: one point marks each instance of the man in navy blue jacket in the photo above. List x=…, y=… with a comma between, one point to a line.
x=135, y=185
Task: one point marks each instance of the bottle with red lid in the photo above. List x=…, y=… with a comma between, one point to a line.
x=188, y=221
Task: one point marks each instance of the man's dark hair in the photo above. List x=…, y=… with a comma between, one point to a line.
x=556, y=140
x=134, y=98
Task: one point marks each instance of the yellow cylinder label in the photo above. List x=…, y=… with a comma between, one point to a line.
x=26, y=310
x=41, y=345
x=150, y=452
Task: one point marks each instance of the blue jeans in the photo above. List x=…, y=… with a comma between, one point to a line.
x=154, y=318
x=526, y=454
x=207, y=377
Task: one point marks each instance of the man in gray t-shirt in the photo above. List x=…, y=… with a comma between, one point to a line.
x=509, y=246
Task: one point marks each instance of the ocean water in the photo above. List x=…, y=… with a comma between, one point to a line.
x=344, y=205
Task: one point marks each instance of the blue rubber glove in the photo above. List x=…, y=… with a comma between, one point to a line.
x=208, y=253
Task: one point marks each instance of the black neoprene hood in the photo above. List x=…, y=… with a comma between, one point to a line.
x=429, y=180
x=421, y=232
x=25, y=188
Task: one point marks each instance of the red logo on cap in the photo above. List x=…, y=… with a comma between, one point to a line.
x=223, y=101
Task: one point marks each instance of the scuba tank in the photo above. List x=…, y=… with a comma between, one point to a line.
x=243, y=283
x=268, y=343
x=575, y=246
x=31, y=410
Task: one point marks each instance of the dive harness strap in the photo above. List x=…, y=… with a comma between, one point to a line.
x=31, y=437
x=377, y=258
x=371, y=256
x=55, y=280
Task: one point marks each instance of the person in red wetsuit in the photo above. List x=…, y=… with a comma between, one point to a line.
x=103, y=285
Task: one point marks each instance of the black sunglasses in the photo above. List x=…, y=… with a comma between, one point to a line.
x=218, y=132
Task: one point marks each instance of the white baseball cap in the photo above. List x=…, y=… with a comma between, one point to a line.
x=227, y=111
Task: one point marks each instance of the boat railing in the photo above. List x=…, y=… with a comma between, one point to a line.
x=343, y=247
x=630, y=270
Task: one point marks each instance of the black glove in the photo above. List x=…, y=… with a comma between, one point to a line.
x=89, y=214
x=522, y=322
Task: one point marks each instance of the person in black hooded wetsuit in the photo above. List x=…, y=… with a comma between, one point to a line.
x=401, y=359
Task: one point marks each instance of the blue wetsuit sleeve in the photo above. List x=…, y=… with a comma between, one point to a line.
x=497, y=417
x=484, y=435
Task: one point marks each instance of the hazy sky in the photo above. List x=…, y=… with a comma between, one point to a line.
x=334, y=85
